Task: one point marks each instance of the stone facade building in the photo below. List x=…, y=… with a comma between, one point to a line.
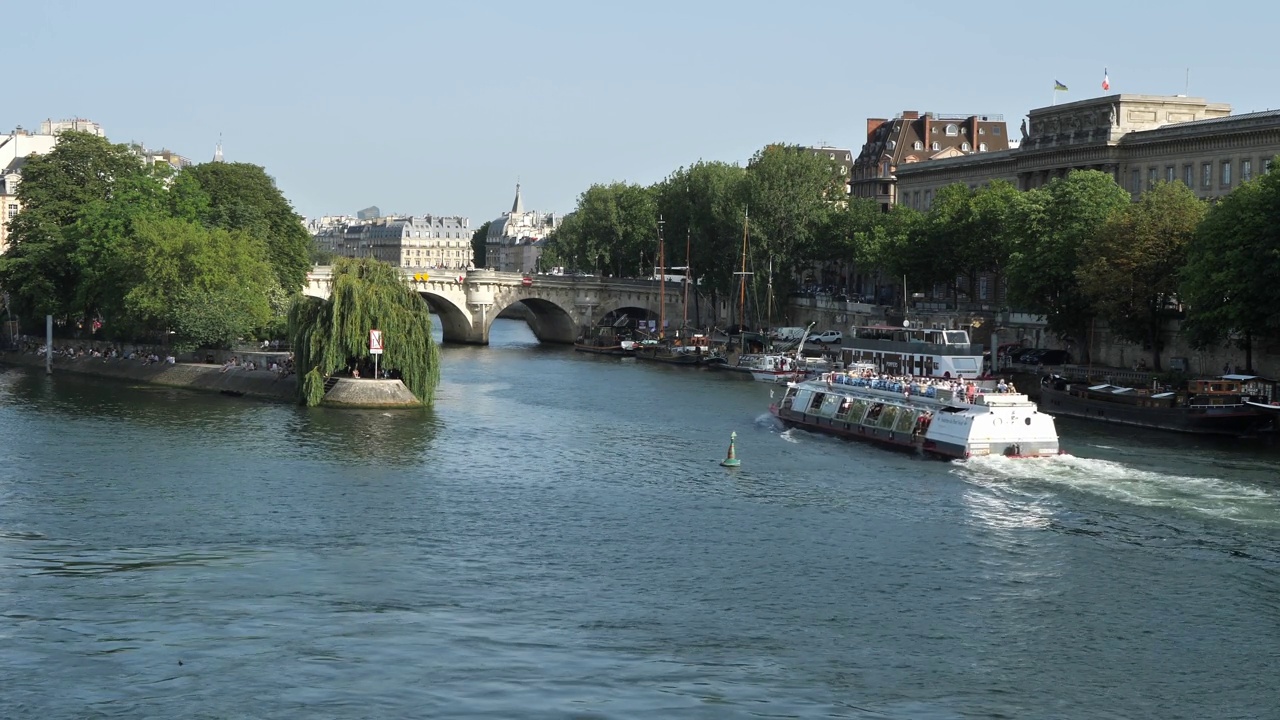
x=915, y=137
x=841, y=157
x=428, y=242
x=15, y=148
x=515, y=240
x=1137, y=139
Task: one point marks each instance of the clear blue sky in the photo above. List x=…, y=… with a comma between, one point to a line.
x=432, y=107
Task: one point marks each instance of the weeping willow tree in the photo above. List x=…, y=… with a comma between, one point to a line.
x=332, y=335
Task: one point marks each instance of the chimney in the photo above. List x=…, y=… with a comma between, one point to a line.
x=874, y=124
x=910, y=114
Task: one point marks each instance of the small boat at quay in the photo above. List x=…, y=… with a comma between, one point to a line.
x=774, y=368
x=944, y=419
x=693, y=349
x=606, y=340
x=1232, y=405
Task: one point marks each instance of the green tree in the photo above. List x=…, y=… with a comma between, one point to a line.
x=478, y=249
x=207, y=287
x=1231, y=280
x=243, y=197
x=1059, y=219
x=702, y=207
x=789, y=191
x=83, y=171
x=612, y=230
x=331, y=335
x=1129, y=270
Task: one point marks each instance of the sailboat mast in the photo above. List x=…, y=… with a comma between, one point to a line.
x=662, y=283
x=742, y=281
x=769, y=310
x=688, y=242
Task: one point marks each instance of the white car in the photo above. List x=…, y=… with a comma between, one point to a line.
x=830, y=337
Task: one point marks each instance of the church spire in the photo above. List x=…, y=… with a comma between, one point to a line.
x=517, y=207
x=217, y=152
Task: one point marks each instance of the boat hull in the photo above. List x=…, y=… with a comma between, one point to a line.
x=878, y=436
x=1229, y=420
x=612, y=351
x=937, y=423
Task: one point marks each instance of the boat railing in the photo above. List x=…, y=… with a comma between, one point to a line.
x=982, y=395
x=911, y=346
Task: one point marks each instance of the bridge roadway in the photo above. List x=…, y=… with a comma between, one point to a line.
x=468, y=301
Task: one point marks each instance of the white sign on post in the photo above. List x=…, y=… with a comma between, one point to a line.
x=375, y=342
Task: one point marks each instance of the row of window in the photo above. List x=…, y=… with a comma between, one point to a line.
x=935, y=146
x=1225, y=174
x=438, y=253
x=953, y=130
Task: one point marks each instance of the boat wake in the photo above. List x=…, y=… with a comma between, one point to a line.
x=768, y=421
x=1206, y=496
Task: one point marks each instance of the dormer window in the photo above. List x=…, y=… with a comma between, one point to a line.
x=953, y=130
x=964, y=146
x=918, y=146
x=892, y=144
x=935, y=146
x=982, y=147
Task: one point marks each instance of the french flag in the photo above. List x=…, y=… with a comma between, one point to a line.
x=1106, y=82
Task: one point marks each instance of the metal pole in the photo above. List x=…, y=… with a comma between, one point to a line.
x=48, y=344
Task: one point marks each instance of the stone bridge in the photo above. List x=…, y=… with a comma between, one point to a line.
x=467, y=302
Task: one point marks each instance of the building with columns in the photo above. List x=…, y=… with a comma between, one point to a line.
x=1137, y=139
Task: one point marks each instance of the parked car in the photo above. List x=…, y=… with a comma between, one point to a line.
x=829, y=337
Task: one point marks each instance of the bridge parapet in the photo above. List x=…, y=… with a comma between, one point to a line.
x=468, y=301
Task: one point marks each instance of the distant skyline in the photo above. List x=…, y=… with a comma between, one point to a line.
x=441, y=108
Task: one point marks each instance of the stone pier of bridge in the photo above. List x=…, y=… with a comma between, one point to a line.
x=468, y=301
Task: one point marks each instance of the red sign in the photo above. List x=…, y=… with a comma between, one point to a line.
x=526, y=281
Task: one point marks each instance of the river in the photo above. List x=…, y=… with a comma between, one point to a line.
x=555, y=538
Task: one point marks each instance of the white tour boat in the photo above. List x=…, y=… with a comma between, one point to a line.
x=940, y=418
x=916, y=351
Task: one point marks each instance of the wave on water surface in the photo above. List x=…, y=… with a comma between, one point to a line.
x=1213, y=497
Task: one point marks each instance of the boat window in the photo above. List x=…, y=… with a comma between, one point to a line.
x=950, y=409
x=955, y=337
x=964, y=363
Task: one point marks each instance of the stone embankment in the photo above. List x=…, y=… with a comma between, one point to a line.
x=264, y=384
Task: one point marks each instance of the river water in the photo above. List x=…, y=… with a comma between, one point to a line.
x=556, y=539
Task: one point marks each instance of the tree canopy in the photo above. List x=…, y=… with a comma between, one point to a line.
x=1129, y=269
x=332, y=335
x=1231, y=281
x=1058, y=220
x=205, y=256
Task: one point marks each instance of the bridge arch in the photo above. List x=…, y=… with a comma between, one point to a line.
x=549, y=322
x=455, y=320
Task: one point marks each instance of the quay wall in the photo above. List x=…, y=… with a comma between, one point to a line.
x=193, y=376
x=263, y=384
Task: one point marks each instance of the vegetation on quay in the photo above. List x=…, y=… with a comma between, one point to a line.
x=126, y=251
x=332, y=336
x=1074, y=251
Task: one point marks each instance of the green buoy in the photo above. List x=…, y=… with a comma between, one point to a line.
x=732, y=459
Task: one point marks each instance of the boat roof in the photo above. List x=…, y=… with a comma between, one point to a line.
x=1115, y=389
x=893, y=328
x=1246, y=378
